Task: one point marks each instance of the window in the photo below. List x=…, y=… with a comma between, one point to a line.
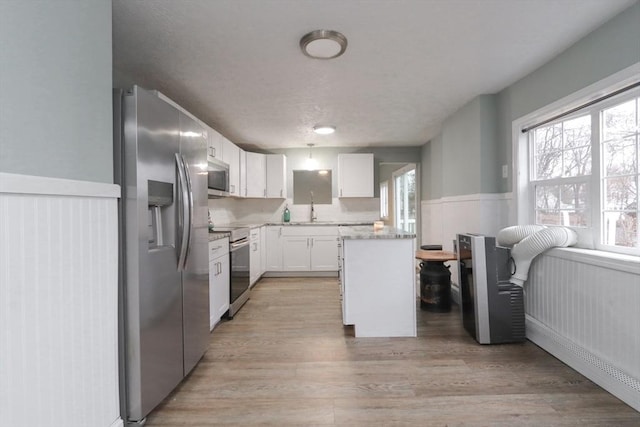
x=384, y=200
x=405, y=198
x=584, y=172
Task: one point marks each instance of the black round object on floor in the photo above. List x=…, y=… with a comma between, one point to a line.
x=435, y=286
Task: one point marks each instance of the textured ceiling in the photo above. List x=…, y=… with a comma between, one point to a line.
x=236, y=64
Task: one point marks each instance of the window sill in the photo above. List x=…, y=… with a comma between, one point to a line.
x=610, y=260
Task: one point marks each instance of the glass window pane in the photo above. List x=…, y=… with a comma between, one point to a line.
x=576, y=218
x=548, y=217
x=573, y=196
x=619, y=157
x=577, y=162
x=548, y=138
x=547, y=197
x=577, y=132
x=620, y=229
x=619, y=121
x=548, y=165
x=621, y=193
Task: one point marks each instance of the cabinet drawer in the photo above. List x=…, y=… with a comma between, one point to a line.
x=254, y=234
x=218, y=248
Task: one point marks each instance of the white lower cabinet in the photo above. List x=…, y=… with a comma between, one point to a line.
x=219, y=277
x=263, y=250
x=273, y=253
x=255, y=255
x=296, y=253
x=309, y=248
x=324, y=253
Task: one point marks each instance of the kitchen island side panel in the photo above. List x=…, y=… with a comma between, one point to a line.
x=380, y=287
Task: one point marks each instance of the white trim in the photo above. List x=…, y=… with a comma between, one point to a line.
x=588, y=364
x=28, y=184
x=610, y=260
x=117, y=423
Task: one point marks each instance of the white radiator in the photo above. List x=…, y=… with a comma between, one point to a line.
x=58, y=302
x=587, y=314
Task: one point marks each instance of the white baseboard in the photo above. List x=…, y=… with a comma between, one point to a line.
x=117, y=423
x=607, y=376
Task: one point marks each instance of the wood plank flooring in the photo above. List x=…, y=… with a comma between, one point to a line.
x=286, y=359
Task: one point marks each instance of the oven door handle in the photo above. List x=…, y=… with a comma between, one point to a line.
x=235, y=246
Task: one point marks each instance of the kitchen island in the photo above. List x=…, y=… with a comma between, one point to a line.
x=377, y=281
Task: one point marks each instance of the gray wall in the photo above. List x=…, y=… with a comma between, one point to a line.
x=607, y=50
x=462, y=158
x=55, y=89
x=467, y=156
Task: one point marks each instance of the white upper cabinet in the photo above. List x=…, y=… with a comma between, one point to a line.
x=214, y=149
x=355, y=175
x=276, y=176
x=256, y=175
x=231, y=156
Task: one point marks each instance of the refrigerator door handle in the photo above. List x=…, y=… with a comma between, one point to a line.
x=183, y=213
x=190, y=206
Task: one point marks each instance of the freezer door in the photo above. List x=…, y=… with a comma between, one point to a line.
x=152, y=284
x=195, y=276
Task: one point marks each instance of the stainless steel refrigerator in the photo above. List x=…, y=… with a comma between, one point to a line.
x=161, y=165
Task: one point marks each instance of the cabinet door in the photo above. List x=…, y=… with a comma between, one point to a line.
x=218, y=288
x=324, y=253
x=254, y=261
x=214, y=150
x=263, y=250
x=231, y=156
x=213, y=277
x=256, y=178
x=296, y=253
x=243, y=173
x=355, y=175
x=273, y=253
x=276, y=176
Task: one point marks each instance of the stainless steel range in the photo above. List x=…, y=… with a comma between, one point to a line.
x=239, y=250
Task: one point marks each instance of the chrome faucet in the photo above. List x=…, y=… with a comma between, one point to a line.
x=313, y=211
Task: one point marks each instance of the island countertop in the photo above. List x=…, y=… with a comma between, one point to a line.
x=367, y=232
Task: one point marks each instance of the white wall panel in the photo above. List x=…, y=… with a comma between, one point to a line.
x=443, y=219
x=58, y=310
x=588, y=315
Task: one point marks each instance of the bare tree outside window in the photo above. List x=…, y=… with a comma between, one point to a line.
x=620, y=128
x=562, y=151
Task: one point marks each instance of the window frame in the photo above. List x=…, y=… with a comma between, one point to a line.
x=523, y=210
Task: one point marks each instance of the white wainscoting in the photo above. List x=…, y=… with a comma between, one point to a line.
x=58, y=302
x=443, y=218
x=588, y=316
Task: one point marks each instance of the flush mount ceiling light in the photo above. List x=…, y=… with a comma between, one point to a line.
x=323, y=44
x=324, y=130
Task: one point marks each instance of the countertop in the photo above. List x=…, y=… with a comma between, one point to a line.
x=217, y=235
x=367, y=232
x=286, y=224
x=435, y=255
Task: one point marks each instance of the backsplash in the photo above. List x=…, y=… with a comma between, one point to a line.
x=231, y=210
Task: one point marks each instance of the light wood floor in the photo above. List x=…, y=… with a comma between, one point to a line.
x=286, y=359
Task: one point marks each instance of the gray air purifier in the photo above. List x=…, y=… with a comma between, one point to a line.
x=492, y=308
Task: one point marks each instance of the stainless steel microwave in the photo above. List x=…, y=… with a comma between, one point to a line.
x=218, y=178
